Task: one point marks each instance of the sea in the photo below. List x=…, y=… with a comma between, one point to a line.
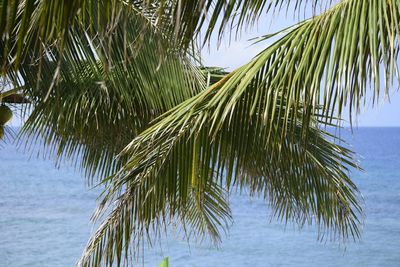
x=45, y=215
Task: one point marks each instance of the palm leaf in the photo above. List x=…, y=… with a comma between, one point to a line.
x=259, y=128
x=29, y=24
x=91, y=100
x=197, y=148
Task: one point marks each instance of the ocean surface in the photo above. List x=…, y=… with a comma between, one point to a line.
x=45, y=217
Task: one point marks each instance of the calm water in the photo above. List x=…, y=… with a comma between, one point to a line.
x=44, y=218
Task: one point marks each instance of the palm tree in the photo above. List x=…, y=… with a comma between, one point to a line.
x=118, y=86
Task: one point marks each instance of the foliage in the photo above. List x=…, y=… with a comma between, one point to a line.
x=93, y=95
x=122, y=93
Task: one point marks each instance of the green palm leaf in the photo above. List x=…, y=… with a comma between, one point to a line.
x=34, y=25
x=91, y=100
x=30, y=24
x=98, y=73
x=260, y=128
x=196, y=149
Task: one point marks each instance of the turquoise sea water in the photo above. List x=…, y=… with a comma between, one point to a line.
x=44, y=218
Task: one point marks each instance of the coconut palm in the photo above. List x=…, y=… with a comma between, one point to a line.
x=118, y=86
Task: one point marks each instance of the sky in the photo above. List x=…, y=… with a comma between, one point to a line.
x=232, y=53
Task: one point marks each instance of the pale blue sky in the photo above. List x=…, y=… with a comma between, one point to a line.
x=235, y=53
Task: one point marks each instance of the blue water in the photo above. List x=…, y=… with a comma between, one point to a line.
x=44, y=218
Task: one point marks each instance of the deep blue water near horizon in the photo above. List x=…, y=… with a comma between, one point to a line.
x=45, y=212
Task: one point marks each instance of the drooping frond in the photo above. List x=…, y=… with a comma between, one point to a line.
x=33, y=24
x=334, y=58
x=185, y=152
x=259, y=128
x=91, y=100
x=331, y=60
x=230, y=137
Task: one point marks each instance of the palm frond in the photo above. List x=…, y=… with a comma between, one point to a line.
x=259, y=128
x=32, y=25
x=332, y=59
x=197, y=145
x=225, y=16
x=91, y=100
